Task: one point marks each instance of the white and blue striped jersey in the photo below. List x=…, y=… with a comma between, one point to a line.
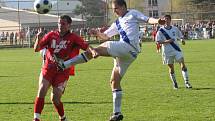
x=174, y=33
x=130, y=25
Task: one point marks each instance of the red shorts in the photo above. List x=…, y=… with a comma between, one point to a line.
x=55, y=77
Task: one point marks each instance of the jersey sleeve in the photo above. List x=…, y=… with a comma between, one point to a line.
x=44, y=42
x=179, y=34
x=159, y=37
x=140, y=16
x=112, y=30
x=81, y=43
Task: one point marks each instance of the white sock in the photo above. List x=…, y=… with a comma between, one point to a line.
x=117, y=98
x=185, y=75
x=62, y=117
x=172, y=77
x=36, y=116
x=81, y=58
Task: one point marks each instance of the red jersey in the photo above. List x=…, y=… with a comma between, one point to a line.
x=64, y=47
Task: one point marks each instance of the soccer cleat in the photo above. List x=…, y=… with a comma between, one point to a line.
x=36, y=119
x=64, y=119
x=116, y=117
x=60, y=62
x=175, y=85
x=188, y=85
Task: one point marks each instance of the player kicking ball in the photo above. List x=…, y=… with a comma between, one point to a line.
x=167, y=36
x=123, y=52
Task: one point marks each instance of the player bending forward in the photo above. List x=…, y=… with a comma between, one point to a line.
x=167, y=36
x=65, y=45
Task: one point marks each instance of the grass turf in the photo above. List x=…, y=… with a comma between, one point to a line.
x=147, y=89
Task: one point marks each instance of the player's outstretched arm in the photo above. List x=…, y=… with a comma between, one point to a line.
x=39, y=36
x=155, y=21
x=97, y=33
x=166, y=41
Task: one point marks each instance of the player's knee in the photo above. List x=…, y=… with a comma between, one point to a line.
x=115, y=84
x=184, y=68
x=88, y=55
x=111, y=81
x=171, y=71
x=55, y=100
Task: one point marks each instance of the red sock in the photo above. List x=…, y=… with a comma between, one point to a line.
x=38, y=105
x=158, y=46
x=59, y=108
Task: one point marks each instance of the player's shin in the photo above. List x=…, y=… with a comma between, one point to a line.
x=117, y=98
x=60, y=109
x=38, y=107
x=185, y=75
x=81, y=58
x=173, y=79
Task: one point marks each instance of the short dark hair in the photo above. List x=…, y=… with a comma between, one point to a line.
x=168, y=16
x=67, y=18
x=120, y=2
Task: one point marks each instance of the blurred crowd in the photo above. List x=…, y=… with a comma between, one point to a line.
x=199, y=30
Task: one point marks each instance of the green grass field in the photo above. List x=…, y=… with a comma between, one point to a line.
x=148, y=93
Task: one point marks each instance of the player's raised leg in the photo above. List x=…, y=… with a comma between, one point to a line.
x=81, y=58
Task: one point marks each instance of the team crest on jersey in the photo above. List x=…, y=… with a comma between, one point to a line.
x=58, y=47
x=173, y=33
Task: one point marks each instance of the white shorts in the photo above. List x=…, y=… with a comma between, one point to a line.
x=123, y=54
x=170, y=59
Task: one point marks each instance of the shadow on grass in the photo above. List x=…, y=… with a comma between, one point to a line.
x=8, y=76
x=49, y=103
x=203, y=61
x=102, y=69
x=203, y=88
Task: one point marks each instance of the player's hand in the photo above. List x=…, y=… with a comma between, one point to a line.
x=94, y=31
x=161, y=21
x=40, y=34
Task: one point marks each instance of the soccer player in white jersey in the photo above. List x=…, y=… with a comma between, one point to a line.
x=167, y=36
x=124, y=51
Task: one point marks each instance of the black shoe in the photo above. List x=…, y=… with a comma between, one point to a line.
x=116, y=117
x=175, y=85
x=188, y=85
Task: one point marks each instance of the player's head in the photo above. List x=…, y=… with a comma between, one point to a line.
x=167, y=19
x=64, y=23
x=119, y=7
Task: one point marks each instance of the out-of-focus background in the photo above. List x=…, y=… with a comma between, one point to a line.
x=19, y=23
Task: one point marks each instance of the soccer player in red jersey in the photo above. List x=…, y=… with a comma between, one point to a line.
x=63, y=44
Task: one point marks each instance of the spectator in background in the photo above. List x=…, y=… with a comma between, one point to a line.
x=7, y=36
x=11, y=38
x=213, y=29
x=3, y=38
x=15, y=37
x=21, y=37
x=154, y=32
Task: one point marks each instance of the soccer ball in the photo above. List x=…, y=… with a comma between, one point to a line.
x=42, y=6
